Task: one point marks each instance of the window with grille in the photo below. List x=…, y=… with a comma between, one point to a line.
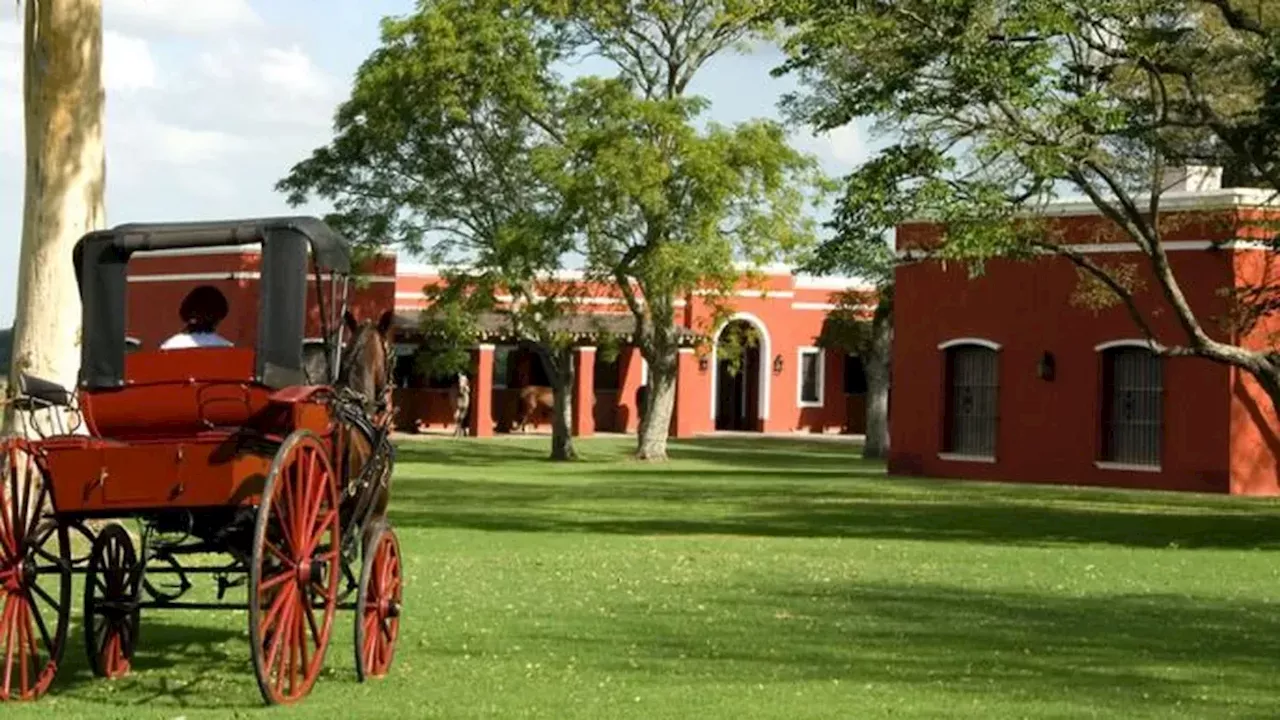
x=1133, y=413
x=972, y=385
x=810, y=377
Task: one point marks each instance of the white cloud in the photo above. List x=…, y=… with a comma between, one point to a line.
x=10, y=90
x=292, y=71
x=182, y=146
x=841, y=149
x=180, y=17
x=127, y=64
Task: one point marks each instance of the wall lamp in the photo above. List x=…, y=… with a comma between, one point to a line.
x=777, y=364
x=1047, y=366
x=702, y=363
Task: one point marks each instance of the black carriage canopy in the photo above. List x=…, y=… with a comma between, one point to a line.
x=101, y=261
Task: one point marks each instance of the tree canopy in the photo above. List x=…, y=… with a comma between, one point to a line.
x=1002, y=105
x=463, y=139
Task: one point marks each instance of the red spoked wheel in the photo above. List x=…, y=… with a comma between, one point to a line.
x=293, y=588
x=378, y=608
x=35, y=576
x=111, y=603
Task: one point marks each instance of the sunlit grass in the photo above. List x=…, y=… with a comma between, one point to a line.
x=752, y=579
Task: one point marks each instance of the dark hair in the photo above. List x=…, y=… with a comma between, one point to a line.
x=203, y=308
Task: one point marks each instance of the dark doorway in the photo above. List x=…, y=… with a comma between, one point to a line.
x=738, y=389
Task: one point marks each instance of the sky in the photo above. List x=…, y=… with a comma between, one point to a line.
x=209, y=103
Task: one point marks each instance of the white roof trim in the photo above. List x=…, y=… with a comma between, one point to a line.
x=235, y=275
x=1130, y=247
x=812, y=282
x=1224, y=199
x=1125, y=342
x=983, y=342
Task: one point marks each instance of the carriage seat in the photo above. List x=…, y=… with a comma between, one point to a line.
x=46, y=391
x=177, y=393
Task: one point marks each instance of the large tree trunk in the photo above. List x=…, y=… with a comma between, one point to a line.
x=561, y=378
x=876, y=361
x=560, y=370
x=877, y=443
x=656, y=423
x=66, y=175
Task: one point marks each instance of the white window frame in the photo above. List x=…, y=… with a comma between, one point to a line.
x=821, y=379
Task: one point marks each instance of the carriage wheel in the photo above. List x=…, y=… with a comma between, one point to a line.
x=35, y=576
x=378, y=608
x=295, y=569
x=110, y=603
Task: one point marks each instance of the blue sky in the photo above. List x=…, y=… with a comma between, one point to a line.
x=209, y=103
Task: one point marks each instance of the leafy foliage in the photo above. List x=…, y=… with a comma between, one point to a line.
x=1003, y=105
x=461, y=141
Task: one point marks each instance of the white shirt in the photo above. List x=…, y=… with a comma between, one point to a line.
x=184, y=340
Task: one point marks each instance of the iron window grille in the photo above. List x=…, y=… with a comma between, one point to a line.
x=972, y=389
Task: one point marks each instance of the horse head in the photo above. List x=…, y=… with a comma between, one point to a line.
x=366, y=359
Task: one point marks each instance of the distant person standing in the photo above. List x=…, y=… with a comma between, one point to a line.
x=201, y=311
x=460, y=396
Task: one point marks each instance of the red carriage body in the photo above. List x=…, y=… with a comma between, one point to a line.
x=238, y=447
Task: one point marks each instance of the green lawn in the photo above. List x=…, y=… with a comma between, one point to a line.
x=756, y=578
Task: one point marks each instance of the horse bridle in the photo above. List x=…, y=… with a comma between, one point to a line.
x=382, y=399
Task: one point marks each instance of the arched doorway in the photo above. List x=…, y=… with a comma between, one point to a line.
x=740, y=387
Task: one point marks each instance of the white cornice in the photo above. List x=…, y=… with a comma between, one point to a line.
x=1224, y=199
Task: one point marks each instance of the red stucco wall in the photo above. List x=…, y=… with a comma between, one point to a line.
x=789, y=312
x=159, y=281
x=1219, y=433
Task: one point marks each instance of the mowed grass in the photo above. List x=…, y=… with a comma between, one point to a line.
x=763, y=579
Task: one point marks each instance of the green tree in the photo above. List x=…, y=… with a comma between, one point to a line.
x=442, y=149
x=1001, y=105
x=614, y=170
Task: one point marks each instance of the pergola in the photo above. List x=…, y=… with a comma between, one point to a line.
x=586, y=332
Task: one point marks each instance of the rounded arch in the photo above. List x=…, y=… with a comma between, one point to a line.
x=1124, y=343
x=981, y=342
x=766, y=356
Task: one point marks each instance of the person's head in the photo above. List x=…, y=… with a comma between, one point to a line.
x=203, y=309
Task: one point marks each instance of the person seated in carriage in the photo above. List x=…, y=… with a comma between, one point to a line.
x=201, y=311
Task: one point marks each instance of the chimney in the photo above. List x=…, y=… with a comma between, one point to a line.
x=1191, y=178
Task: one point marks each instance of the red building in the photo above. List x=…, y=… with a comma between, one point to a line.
x=787, y=382
x=1005, y=377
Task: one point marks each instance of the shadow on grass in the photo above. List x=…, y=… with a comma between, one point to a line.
x=704, y=503
x=756, y=453
x=1143, y=652
x=772, y=453
x=199, y=655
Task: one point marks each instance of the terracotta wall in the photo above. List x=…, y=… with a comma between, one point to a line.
x=1050, y=431
x=790, y=314
x=159, y=282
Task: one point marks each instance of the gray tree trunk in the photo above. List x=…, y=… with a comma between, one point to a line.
x=561, y=377
x=65, y=180
x=656, y=424
x=877, y=359
x=877, y=443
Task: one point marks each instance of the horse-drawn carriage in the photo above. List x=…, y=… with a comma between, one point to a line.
x=241, y=452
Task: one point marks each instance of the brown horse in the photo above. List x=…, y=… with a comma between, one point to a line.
x=366, y=374
x=532, y=399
